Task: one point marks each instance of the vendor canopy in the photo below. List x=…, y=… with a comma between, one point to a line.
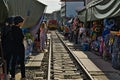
x=81, y=15
x=101, y=10
x=31, y=10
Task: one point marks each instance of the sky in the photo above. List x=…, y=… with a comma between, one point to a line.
x=52, y=5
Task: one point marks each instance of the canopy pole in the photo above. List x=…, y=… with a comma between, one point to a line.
x=85, y=3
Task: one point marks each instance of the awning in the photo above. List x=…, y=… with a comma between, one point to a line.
x=81, y=15
x=31, y=10
x=104, y=9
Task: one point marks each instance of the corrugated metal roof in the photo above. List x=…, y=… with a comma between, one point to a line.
x=23, y=7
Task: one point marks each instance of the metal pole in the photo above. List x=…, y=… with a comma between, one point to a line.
x=85, y=3
x=65, y=12
x=50, y=54
x=65, y=8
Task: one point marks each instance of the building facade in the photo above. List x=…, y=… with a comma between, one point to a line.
x=68, y=9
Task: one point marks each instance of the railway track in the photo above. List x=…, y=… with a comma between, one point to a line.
x=97, y=74
x=63, y=65
x=60, y=63
x=39, y=72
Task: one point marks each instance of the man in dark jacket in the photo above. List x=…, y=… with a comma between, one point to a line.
x=19, y=50
x=7, y=41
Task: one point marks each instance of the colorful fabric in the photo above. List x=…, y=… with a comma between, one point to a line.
x=42, y=38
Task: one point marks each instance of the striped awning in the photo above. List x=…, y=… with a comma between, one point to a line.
x=101, y=10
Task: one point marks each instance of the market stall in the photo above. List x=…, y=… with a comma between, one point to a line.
x=103, y=17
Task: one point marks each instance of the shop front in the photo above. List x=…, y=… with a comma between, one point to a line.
x=103, y=26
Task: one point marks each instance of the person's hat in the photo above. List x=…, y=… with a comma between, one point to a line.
x=18, y=19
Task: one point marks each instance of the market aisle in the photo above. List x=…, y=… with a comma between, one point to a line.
x=95, y=64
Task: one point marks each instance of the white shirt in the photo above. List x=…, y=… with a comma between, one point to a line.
x=81, y=30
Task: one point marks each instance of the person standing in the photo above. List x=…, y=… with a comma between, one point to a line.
x=43, y=32
x=66, y=31
x=19, y=50
x=46, y=31
x=81, y=32
x=7, y=41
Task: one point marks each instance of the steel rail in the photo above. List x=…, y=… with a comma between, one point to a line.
x=49, y=64
x=77, y=59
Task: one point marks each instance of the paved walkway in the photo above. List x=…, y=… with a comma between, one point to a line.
x=94, y=63
x=34, y=61
x=94, y=59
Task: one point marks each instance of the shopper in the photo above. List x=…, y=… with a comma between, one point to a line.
x=7, y=41
x=81, y=32
x=43, y=32
x=19, y=50
x=46, y=31
x=66, y=31
x=115, y=52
